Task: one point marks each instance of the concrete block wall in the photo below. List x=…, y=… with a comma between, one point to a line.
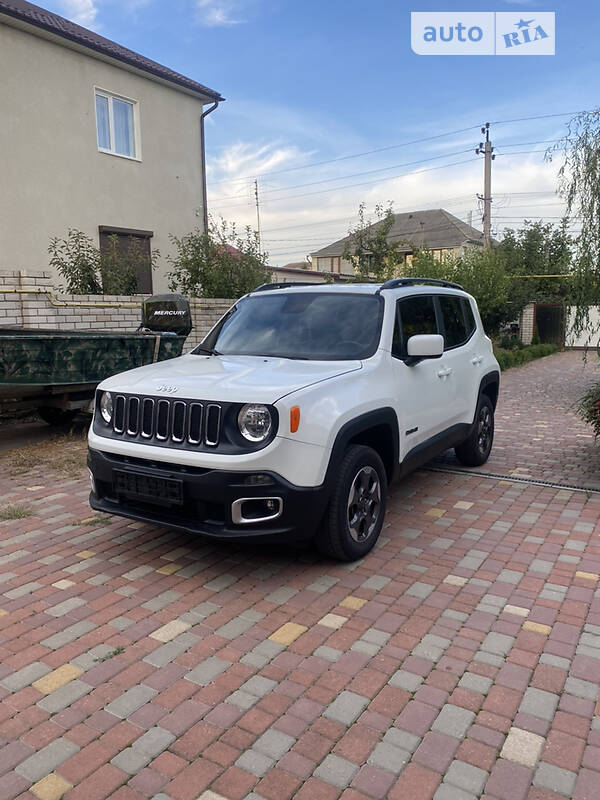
x=27, y=298
x=527, y=322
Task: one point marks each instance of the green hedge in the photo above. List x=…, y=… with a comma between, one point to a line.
x=515, y=358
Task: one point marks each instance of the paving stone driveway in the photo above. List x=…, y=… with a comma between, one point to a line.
x=461, y=659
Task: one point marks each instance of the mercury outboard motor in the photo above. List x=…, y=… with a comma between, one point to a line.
x=167, y=314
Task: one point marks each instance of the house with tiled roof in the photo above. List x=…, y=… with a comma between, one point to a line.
x=435, y=229
x=94, y=137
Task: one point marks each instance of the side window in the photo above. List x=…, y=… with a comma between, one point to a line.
x=469, y=316
x=417, y=316
x=455, y=330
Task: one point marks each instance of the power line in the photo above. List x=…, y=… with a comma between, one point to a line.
x=540, y=116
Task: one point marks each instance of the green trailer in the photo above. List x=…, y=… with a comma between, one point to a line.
x=56, y=371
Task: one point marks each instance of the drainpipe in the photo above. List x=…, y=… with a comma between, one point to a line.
x=204, y=197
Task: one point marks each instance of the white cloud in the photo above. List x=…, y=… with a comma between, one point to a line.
x=82, y=12
x=217, y=13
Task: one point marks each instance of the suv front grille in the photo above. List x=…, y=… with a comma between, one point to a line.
x=178, y=421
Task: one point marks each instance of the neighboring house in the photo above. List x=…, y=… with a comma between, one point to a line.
x=436, y=229
x=94, y=137
x=301, y=272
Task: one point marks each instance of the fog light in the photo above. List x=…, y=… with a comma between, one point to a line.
x=248, y=510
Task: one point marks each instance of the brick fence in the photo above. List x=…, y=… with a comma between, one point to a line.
x=27, y=298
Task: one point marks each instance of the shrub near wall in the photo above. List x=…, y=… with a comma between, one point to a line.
x=516, y=358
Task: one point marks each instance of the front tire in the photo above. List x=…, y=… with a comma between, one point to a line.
x=476, y=449
x=354, y=517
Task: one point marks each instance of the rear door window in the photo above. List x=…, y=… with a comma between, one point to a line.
x=453, y=319
x=415, y=316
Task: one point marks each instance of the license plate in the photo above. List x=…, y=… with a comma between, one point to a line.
x=147, y=487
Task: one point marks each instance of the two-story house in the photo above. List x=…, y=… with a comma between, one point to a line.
x=93, y=137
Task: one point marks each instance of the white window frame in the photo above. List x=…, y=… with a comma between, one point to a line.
x=137, y=143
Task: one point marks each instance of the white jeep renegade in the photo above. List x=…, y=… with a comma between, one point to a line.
x=295, y=413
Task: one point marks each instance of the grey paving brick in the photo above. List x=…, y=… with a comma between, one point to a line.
x=130, y=701
x=121, y=623
x=82, y=566
x=255, y=763
x=581, y=688
x=475, y=683
x=171, y=650
x=510, y=576
x=130, y=760
x=376, y=582
x=221, y=582
x=459, y=616
x=47, y=759
x=329, y=653
x=154, y=741
x=541, y=566
x=336, y=770
x=268, y=648
x=323, y=584
x=555, y=661
x=346, y=707
x=207, y=671
x=68, y=635
x=374, y=636
x=539, y=703
x=498, y=644
x=25, y=676
x=402, y=739
x=161, y=601
x=64, y=696
x=234, y=628
x=489, y=658
x=281, y=595
x=203, y=610
x=365, y=647
x=554, y=778
x=14, y=556
x=389, y=757
x=465, y=776
x=24, y=589
x=402, y=679
x=273, y=744
x=420, y=590
x=453, y=721
x=258, y=686
x=447, y=791
x=242, y=699
x=60, y=609
x=254, y=659
x=90, y=659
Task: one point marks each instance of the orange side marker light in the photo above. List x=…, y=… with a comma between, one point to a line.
x=294, y=419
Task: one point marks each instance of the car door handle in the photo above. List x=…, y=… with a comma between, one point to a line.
x=443, y=373
x=476, y=360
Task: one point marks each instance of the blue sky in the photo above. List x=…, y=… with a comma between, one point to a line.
x=312, y=81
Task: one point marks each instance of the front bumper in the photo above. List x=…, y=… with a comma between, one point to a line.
x=205, y=498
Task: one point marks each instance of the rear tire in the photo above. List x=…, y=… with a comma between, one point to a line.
x=476, y=449
x=356, y=509
x=56, y=416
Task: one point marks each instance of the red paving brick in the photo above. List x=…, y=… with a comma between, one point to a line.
x=437, y=616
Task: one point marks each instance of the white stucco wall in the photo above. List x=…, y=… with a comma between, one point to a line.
x=52, y=175
x=588, y=338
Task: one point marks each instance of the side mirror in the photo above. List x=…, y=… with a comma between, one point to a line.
x=427, y=345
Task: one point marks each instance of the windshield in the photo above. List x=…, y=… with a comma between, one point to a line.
x=306, y=325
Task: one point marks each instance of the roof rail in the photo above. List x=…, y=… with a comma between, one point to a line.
x=267, y=287
x=397, y=283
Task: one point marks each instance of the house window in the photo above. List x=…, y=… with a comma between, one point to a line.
x=116, y=123
x=128, y=250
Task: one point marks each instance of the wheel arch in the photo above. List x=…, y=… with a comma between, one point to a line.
x=377, y=429
x=490, y=386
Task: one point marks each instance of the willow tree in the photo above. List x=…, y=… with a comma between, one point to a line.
x=579, y=185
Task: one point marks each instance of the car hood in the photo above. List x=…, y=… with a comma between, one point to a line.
x=241, y=379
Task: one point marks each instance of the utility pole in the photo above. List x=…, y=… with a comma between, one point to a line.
x=488, y=152
x=257, y=212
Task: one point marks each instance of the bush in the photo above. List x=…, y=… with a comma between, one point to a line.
x=516, y=358
x=589, y=407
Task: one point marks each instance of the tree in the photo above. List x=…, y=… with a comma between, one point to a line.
x=372, y=256
x=77, y=261
x=538, y=249
x=218, y=263
x=480, y=272
x=579, y=185
x=86, y=270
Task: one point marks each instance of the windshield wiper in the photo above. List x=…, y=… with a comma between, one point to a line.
x=208, y=350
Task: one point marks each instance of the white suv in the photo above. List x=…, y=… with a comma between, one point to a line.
x=295, y=413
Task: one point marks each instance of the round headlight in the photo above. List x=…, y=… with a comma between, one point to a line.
x=106, y=407
x=254, y=422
